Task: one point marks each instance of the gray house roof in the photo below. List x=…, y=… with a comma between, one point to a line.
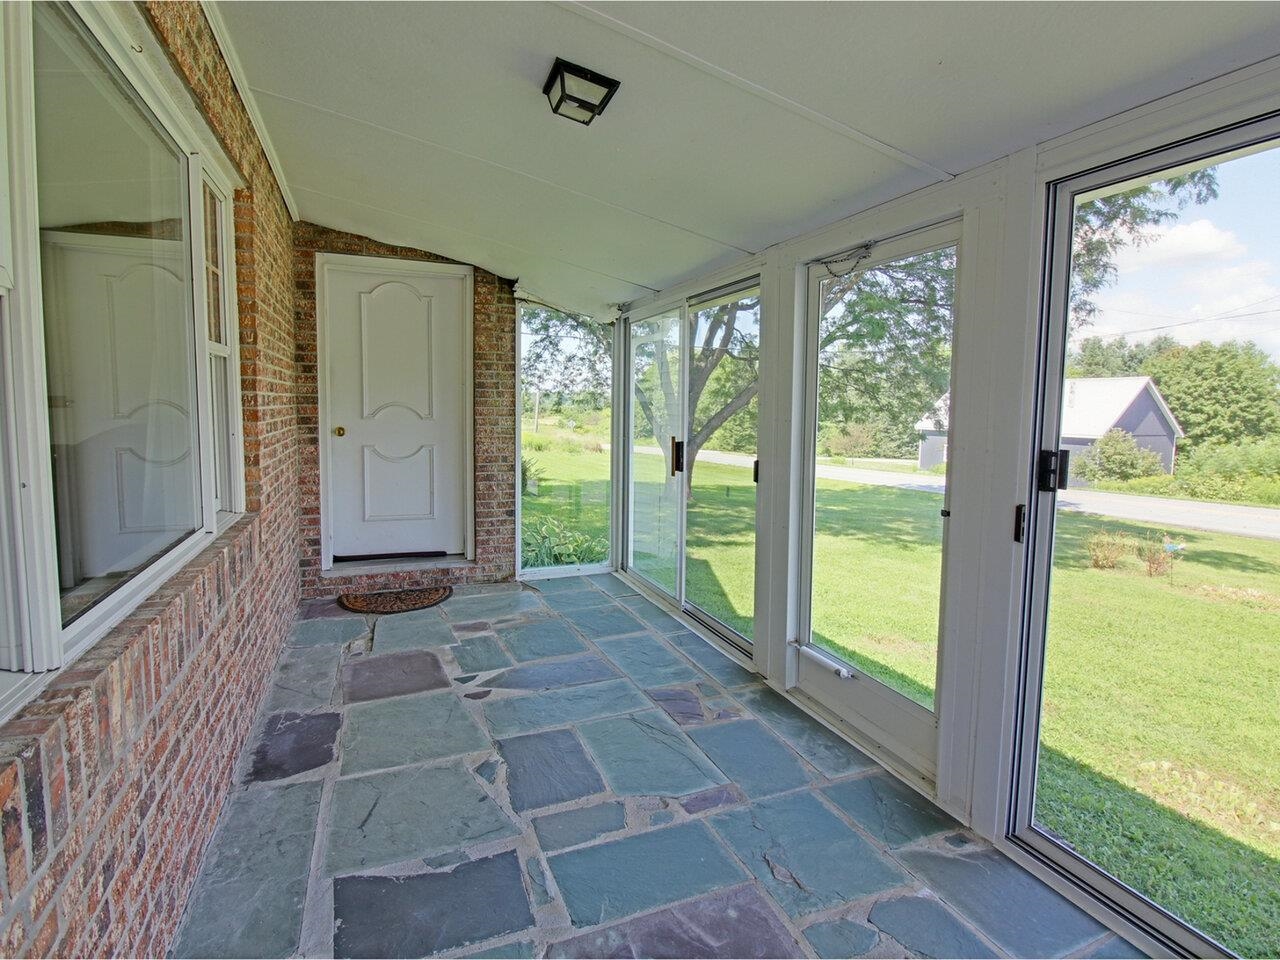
x=1090, y=406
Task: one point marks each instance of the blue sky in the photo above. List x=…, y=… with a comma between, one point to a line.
x=1213, y=274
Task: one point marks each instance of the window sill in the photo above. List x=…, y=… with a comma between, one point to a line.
x=359, y=568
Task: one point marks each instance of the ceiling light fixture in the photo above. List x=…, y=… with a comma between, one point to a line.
x=578, y=93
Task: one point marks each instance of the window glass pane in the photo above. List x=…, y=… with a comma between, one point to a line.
x=720, y=518
x=1160, y=719
x=213, y=263
x=884, y=380
x=566, y=371
x=657, y=483
x=218, y=385
x=117, y=306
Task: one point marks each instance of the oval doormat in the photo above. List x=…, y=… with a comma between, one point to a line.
x=394, y=601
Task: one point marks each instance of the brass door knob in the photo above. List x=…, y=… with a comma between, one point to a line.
x=339, y=431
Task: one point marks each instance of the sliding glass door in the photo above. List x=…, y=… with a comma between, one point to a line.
x=1148, y=768
x=656, y=450
x=881, y=325
x=694, y=379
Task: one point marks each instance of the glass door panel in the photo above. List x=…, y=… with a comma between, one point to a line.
x=657, y=439
x=720, y=458
x=1159, y=716
x=883, y=352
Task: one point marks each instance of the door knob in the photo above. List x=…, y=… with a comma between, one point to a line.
x=339, y=431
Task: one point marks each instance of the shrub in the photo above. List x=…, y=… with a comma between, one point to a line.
x=1117, y=456
x=849, y=440
x=549, y=543
x=1159, y=554
x=535, y=443
x=1107, y=548
x=531, y=475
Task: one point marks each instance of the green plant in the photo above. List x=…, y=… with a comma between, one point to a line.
x=1159, y=554
x=1117, y=456
x=531, y=475
x=1107, y=548
x=549, y=543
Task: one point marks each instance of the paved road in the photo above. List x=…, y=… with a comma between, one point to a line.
x=1263, y=522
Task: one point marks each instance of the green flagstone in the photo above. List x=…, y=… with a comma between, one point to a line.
x=479, y=653
x=387, y=817
x=647, y=661
x=568, y=829
x=622, y=877
x=557, y=707
x=751, y=757
x=390, y=733
x=890, y=811
x=829, y=753
x=646, y=754
x=540, y=638
x=310, y=633
x=806, y=857
x=410, y=631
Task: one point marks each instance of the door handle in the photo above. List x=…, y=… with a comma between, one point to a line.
x=677, y=456
x=339, y=431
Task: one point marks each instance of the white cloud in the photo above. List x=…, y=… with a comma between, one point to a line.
x=1181, y=244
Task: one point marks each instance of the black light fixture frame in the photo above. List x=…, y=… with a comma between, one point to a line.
x=562, y=67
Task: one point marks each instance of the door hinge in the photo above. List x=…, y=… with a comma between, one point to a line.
x=1053, y=472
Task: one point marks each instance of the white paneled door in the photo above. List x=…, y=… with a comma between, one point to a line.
x=395, y=389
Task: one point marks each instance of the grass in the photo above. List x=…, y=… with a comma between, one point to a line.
x=1160, y=719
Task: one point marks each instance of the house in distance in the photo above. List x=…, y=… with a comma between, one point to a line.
x=1090, y=407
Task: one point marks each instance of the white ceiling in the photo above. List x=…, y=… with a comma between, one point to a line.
x=737, y=125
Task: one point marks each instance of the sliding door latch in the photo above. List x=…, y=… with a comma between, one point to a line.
x=1053, y=470
x=677, y=456
x=1019, y=523
x=755, y=471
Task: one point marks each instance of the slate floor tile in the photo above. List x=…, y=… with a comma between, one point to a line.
x=599, y=622
x=419, y=630
x=681, y=704
x=611, y=585
x=419, y=915
x=1115, y=948
x=540, y=638
x=645, y=754
x=925, y=927
x=577, y=600
x=806, y=857
x=390, y=733
x=562, y=585
x=558, y=707
x=293, y=743
x=652, y=614
x=648, y=662
x=554, y=673
x=387, y=817
x=837, y=939
x=492, y=606
x=1006, y=903
x=887, y=809
x=621, y=877
x=712, y=660
x=394, y=674
x=249, y=897
x=829, y=753
x=730, y=923
x=516, y=950
x=725, y=795
x=304, y=679
x=319, y=608
x=751, y=757
x=480, y=653
x=547, y=768
x=556, y=831
x=326, y=630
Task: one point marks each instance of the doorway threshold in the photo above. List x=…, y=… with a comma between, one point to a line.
x=355, y=568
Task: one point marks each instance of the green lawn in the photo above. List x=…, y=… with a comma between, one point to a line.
x=1161, y=718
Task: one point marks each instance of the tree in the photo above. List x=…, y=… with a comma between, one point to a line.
x=1105, y=225
x=885, y=339
x=1100, y=357
x=1117, y=456
x=1219, y=393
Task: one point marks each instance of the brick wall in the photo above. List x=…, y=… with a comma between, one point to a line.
x=494, y=351
x=111, y=780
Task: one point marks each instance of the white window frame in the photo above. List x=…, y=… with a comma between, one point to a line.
x=31, y=581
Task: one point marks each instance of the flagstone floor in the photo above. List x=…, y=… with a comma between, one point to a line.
x=568, y=772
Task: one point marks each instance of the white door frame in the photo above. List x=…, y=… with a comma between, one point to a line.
x=417, y=268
